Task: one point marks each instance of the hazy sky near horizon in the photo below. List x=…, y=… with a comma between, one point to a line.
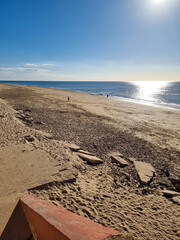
x=90, y=40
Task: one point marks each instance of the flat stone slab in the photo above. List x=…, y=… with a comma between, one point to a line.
x=120, y=160
x=74, y=147
x=145, y=171
x=67, y=176
x=90, y=159
x=118, y=154
x=176, y=200
x=67, y=173
x=85, y=152
x=168, y=193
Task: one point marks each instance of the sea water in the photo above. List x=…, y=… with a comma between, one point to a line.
x=155, y=93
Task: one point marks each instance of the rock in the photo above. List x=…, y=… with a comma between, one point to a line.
x=126, y=175
x=175, y=181
x=74, y=147
x=67, y=176
x=116, y=154
x=28, y=119
x=67, y=173
x=29, y=138
x=165, y=183
x=90, y=159
x=120, y=160
x=27, y=114
x=20, y=116
x=145, y=171
x=131, y=159
x=168, y=193
x=48, y=135
x=39, y=122
x=24, y=117
x=1, y=116
x=176, y=200
x=85, y=152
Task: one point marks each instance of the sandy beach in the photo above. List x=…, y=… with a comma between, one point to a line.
x=37, y=128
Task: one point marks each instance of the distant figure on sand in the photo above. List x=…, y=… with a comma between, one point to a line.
x=68, y=98
x=107, y=95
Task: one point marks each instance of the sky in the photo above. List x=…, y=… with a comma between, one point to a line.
x=90, y=40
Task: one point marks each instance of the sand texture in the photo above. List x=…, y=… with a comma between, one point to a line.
x=37, y=128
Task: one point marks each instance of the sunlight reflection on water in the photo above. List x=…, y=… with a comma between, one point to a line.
x=150, y=90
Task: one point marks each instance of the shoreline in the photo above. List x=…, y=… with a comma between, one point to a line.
x=151, y=104
x=41, y=122
x=173, y=106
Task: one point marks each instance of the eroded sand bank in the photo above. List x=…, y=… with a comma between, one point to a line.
x=36, y=127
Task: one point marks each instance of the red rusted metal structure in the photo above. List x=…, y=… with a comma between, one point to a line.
x=49, y=222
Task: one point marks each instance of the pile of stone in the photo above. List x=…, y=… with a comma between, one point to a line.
x=146, y=173
x=144, y=170
x=25, y=116
x=86, y=156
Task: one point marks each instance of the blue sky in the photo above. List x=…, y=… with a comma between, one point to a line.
x=116, y=40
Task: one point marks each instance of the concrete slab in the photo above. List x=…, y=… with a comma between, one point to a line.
x=90, y=159
x=169, y=193
x=74, y=147
x=21, y=167
x=145, y=171
x=85, y=152
x=122, y=162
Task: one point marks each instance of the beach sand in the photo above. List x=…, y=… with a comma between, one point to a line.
x=37, y=125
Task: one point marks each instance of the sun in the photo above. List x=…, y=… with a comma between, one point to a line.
x=158, y=1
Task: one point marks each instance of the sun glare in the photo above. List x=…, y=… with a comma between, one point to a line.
x=148, y=90
x=158, y=1
x=158, y=9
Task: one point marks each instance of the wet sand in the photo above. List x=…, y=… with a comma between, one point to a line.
x=38, y=124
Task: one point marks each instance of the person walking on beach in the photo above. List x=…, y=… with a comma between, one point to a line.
x=68, y=98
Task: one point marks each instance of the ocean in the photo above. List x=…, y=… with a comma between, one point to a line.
x=154, y=93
